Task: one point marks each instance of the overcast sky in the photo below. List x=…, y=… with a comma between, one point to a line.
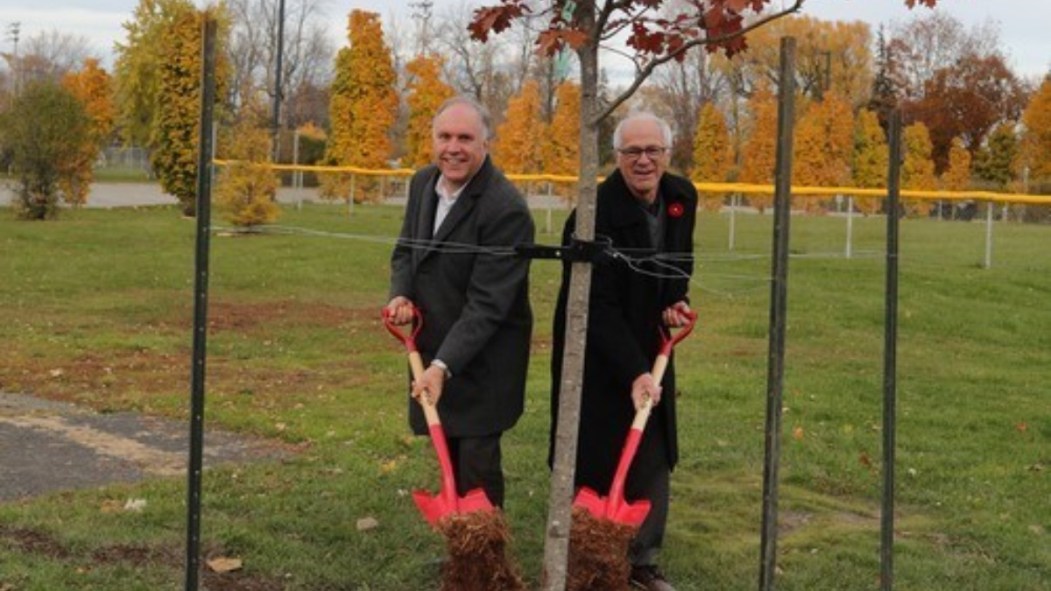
x=1023, y=24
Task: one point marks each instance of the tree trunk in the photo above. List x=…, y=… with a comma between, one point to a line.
x=556, y=547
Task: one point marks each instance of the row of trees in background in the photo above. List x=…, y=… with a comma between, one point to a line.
x=971, y=119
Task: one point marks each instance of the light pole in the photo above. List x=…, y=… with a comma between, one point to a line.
x=275, y=124
x=13, y=30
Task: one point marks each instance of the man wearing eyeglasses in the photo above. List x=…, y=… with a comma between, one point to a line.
x=648, y=214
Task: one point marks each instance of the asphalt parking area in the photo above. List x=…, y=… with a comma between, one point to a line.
x=48, y=446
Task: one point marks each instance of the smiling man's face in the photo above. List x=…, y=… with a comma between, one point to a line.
x=460, y=143
x=642, y=157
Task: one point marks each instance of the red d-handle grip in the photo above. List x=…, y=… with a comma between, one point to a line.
x=668, y=340
x=408, y=339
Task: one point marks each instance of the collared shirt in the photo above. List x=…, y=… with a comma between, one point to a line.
x=655, y=221
x=445, y=201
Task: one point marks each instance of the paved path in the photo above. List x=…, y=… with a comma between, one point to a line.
x=47, y=446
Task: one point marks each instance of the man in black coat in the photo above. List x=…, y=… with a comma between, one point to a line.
x=646, y=213
x=452, y=263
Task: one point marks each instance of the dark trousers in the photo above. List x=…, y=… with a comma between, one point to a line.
x=476, y=463
x=650, y=481
x=648, y=540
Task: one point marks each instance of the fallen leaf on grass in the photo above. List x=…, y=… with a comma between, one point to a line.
x=367, y=523
x=797, y=433
x=223, y=564
x=135, y=505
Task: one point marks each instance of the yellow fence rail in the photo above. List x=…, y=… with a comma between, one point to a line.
x=742, y=188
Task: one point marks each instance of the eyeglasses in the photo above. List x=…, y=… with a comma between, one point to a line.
x=651, y=152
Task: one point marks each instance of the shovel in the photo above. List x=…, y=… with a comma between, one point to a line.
x=616, y=508
x=447, y=501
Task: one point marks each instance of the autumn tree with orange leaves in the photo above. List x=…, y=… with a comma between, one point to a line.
x=917, y=170
x=870, y=159
x=362, y=107
x=561, y=151
x=520, y=136
x=93, y=87
x=760, y=146
x=1036, y=139
x=427, y=92
x=957, y=175
x=824, y=144
x=712, y=154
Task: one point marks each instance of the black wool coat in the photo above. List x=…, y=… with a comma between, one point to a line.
x=623, y=330
x=475, y=305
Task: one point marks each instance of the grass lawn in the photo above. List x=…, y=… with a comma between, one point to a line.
x=297, y=354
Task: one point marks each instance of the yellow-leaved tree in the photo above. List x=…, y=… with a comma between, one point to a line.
x=824, y=145
x=759, y=150
x=247, y=187
x=712, y=154
x=427, y=92
x=93, y=87
x=1036, y=137
x=917, y=171
x=871, y=161
x=362, y=108
x=175, y=137
x=137, y=69
x=561, y=150
x=957, y=176
x=518, y=139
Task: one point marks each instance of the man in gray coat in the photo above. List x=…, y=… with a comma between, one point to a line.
x=453, y=262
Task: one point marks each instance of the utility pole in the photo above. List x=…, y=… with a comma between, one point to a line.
x=13, y=30
x=421, y=11
x=275, y=123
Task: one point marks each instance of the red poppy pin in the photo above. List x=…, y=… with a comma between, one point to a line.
x=675, y=210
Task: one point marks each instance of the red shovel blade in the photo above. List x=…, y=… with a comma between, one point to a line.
x=631, y=514
x=447, y=502
x=616, y=508
x=435, y=507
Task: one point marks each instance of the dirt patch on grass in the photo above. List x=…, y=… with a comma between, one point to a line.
x=129, y=378
x=29, y=541
x=243, y=317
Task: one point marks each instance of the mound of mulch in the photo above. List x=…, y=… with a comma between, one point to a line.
x=598, y=554
x=477, y=546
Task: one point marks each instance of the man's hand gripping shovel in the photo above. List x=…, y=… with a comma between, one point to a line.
x=447, y=501
x=616, y=508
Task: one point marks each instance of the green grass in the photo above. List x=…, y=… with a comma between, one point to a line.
x=296, y=352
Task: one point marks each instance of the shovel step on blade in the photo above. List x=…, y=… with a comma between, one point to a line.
x=625, y=513
x=435, y=507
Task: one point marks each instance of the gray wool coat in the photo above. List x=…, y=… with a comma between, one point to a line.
x=475, y=305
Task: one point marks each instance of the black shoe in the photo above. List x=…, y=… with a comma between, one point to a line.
x=649, y=578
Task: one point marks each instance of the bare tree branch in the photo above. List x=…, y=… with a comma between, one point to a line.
x=645, y=71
